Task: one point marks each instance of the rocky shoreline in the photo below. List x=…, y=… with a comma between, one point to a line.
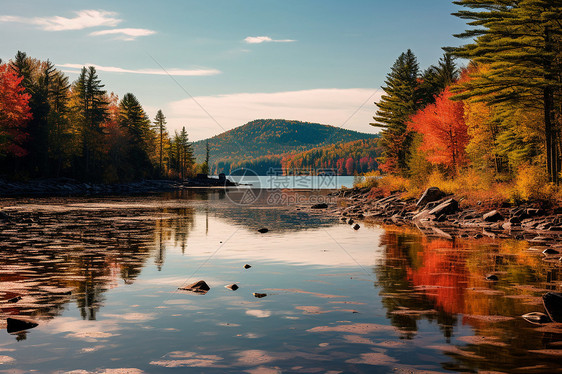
x=71, y=187
x=436, y=213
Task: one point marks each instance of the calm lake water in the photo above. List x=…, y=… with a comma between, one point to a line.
x=101, y=277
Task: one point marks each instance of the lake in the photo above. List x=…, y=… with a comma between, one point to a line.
x=100, y=276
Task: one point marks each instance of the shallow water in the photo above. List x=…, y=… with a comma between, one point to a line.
x=101, y=277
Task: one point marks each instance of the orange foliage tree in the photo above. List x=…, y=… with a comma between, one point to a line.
x=14, y=112
x=444, y=131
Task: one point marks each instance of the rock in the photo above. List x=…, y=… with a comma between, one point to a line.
x=247, y=266
x=493, y=216
x=232, y=287
x=449, y=206
x=319, y=206
x=263, y=230
x=356, y=227
x=550, y=251
x=14, y=299
x=259, y=295
x=553, y=304
x=492, y=277
x=343, y=219
x=199, y=287
x=430, y=195
x=17, y=325
x=536, y=318
x=350, y=221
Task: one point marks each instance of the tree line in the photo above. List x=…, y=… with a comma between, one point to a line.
x=498, y=116
x=51, y=128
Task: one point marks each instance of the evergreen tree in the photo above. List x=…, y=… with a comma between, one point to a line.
x=134, y=120
x=205, y=167
x=160, y=124
x=401, y=99
x=437, y=77
x=519, y=41
x=90, y=109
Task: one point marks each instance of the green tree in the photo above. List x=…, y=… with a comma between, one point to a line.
x=160, y=125
x=519, y=41
x=401, y=99
x=437, y=77
x=135, y=121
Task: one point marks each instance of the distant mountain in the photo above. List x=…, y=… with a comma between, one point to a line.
x=264, y=142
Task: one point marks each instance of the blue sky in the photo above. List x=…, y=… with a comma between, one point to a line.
x=314, y=60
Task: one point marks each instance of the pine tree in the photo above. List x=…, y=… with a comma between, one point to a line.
x=437, y=77
x=134, y=120
x=160, y=124
x=519, y=41
x=400, y=101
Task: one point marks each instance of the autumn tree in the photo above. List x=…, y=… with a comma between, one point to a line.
x=14, y=113
x=401, y=99
x=520, y=43
x=444, y=132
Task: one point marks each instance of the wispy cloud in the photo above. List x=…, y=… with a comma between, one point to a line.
x=173, y=72
x=83, y=19
x=266, y=39
x=331, y=106
x=124, y=34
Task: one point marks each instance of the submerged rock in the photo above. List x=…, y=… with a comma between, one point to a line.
x=263, y=230
x=550, y=251
x=232, y=287
x=17, y=325
x=319, y=206
x=199, y=287
x=536, y=318
x=553, y=304
x=247, y=266
x=259, y=295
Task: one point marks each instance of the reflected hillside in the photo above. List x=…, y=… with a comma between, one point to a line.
x=278, y=211
x=444, y=281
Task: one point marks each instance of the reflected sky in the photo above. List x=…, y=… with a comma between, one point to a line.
x=101, y=278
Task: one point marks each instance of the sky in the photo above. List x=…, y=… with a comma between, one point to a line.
x=217, y=64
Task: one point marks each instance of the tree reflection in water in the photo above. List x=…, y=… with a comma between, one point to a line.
x=443, y=281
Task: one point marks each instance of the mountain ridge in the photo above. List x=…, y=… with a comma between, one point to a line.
x=263, y=138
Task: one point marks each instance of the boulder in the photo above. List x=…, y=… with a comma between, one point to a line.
x=319, y=206
x=17, y=325
x=550, y=251
x=199, y=287
x=356, y=227
x=492, y=277
x=448, y=206
x=247, y=266
x=263, y=230
x=493, y=216
x=429, y=195
x=232, y=287
x=553, y=304
x=259, y=295
x=350, y=221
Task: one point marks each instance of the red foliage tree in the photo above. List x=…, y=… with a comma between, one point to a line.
x=349, y=166
x=444, y=131
x=14, y=112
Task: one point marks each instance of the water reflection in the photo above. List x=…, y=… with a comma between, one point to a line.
x=431, y=307
x=444, y=281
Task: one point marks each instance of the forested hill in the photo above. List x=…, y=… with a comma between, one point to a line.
x=268, y=139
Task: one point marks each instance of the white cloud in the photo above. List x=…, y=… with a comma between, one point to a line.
x=351, y=109
x=174, y=72
x=265, y=39
x=124, y=34
x=83, y=19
